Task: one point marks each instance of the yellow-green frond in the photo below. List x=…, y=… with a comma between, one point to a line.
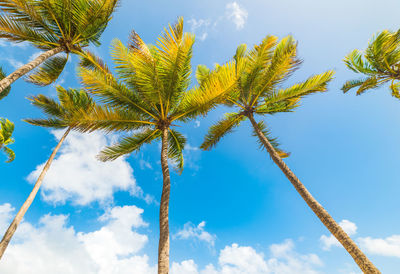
x=220, y=129
x=176, y=145
x=316, y=83
x=48, y=72
x=213, y=90
x=128, y=145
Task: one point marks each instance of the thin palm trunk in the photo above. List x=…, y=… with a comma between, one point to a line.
x=7, y=81
x=163, y=245
x=359, y=257
x=18, y=218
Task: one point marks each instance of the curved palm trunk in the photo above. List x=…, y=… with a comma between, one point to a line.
x=18, y=218
x=163, y=244
x=28, y=67
x=359, y=257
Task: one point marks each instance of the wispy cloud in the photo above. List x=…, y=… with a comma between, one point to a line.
x=234, y=13
x=200, y=27
x=237, y=14
x=190, y=231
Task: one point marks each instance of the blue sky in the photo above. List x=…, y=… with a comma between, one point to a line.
x=232, y=210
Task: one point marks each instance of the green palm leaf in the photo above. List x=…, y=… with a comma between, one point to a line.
x=128, y=145
x=220, y=129
x=49, y=71
x=176, y=142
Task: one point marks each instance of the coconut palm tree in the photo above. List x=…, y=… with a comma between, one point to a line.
x=258, y=92
x=380, y=63
x=53, y=26
x=6, y=130
x=147, y=98
x=59, y=116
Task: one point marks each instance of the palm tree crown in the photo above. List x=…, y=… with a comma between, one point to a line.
x=72, y=103
x=150, y=93
x=6, y=130
x=380, y=63
x=257, y=76
x=54, y=26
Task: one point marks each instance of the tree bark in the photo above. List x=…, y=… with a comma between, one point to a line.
x=7, y=81
x=163, y=245
x=18, y=218
x=359, y=257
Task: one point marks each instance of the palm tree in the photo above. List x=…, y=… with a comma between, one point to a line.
x=54, y=26
x=6, y=130
x=147, y=98
x=259, y=74
x=380, y=63
x=60, y=116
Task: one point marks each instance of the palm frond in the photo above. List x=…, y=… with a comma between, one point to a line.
x=176, y=144
x=316, y=83
x=174, y=66
x=202, y=72
x=129, y=144
x=48, y=72
x=284, y=62
x=263, y=128
x=90, y=61
x=220, y=129
x=10, y=154
x=395, y=87
x=49, y=123
x=352, y=84
x=219, y=85
x=108, y=119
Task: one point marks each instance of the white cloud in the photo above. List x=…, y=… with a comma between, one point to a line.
x=54, y=247
x=237, y=259
x=237, y=14
x=328, y=241
x=77, y=175
x=196, y=123
x=200, y=27
x=190, y=231
x=185, y=267
x=389, y=246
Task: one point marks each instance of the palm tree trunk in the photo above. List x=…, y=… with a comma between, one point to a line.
x=18, y=218
x=7, y=81
x=163, y=245
x=359, y=257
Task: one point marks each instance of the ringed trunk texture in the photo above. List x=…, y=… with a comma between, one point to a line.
x=359, y=257
x=18, y=218
x=7, y=81
x=163, y=245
